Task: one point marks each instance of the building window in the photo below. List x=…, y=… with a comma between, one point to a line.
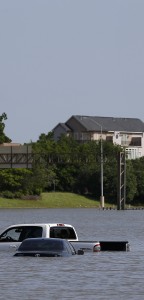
x=135, y=141
x=109, y=138
x=133, y=153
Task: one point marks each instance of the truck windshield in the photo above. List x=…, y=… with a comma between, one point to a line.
x=62, y=232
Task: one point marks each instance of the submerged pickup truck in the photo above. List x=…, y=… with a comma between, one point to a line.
x=11, y=238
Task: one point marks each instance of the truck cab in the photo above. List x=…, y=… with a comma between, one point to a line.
x=12, y=237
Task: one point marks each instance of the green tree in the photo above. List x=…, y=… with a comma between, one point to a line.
x=138, y=166
x=3, y=137
x=15, y=180
x=74, y=166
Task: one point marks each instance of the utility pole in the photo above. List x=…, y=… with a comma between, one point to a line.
x=102, y=196
x=101, y=162
x=121, y=198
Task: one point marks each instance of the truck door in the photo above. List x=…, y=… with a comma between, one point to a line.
x=11, y=238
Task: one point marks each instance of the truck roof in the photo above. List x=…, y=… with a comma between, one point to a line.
x=43, y=224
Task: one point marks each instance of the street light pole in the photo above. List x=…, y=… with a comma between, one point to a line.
x=101, y=159
x=102, y=196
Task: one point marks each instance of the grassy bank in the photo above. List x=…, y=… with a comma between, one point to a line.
x=52, y=200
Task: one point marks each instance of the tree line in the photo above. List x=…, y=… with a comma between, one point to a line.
x=70, y=166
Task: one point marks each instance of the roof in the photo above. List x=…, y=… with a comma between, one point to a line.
x=63, y=125
x=41, y=224
x=95, y=123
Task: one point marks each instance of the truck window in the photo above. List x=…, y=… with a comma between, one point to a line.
x=18, y=234
x=62, y=232
x=10, y=235
x=31, y=232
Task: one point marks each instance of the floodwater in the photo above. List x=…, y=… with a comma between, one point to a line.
x=104, y=275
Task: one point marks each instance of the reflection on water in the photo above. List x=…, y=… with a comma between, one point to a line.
x=104, y=275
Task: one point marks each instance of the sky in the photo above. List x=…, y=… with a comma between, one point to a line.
x=60, y=58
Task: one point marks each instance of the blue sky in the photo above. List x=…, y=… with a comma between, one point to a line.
x=60, y=58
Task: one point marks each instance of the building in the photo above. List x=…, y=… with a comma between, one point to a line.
x=15, y=155
x=59, y=129
x=126, y=132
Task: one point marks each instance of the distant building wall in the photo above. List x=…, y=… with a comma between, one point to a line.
x=15, y=156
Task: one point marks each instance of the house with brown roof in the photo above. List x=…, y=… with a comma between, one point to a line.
x=127, y=132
